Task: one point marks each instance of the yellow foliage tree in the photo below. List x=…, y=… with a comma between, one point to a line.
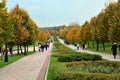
x=63, y=33
x=71, y=34
x=44, y=35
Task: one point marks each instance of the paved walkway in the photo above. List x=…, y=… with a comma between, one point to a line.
x=104, y=55
x=27, y=68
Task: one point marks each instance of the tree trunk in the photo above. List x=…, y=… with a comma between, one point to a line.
x=27, y=48
x=34, y=47
x=97, y=46
x=25, y=53
x=103, y=46
x=6, y=53
x=18, y=52
x=21, y=49
x=119, y=47
x=88, y=45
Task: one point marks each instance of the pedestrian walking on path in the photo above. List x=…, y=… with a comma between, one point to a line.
x=83, y=45
x=46, y=46
x=32, y=67
x=42, y=47
x=78, y=46
x=104, y=55
x=114, y=50
x=39, y=47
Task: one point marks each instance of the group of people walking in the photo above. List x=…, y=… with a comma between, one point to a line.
x=9, y=49
x=83, y=46
x=43, y=46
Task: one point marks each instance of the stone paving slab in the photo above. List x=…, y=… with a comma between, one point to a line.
x=26, y=68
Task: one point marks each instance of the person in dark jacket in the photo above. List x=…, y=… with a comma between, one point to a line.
x=46, y=46
x=11, y=50
x=114, y=50
x=83, y=45
x=42, y=47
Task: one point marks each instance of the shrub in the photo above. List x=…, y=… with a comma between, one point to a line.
x=78, y=57
x=65, y=58
x=97, y=57
x=70, y=72
x=60, y=72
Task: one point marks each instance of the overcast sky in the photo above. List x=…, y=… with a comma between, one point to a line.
x=48, y=13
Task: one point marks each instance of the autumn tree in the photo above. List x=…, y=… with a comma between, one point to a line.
x=106, y=25
x=21, y=33
x=102, y=28
x=47, y=34
x=70, y=35
x=32, y=28
x=63, y=33
x=44, y=35
x=6, y=26
x=78, y=36
x=93, y=24
x=86, y=32
x=113, y=11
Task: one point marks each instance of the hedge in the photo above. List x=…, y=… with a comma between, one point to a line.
x=78, y=57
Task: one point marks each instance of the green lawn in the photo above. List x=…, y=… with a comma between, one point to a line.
x=12, y=59
x=107, y=50
x=53, y=63
x=58, y=50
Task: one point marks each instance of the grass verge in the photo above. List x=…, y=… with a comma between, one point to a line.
x=53, y=63
x=13, y=58
x=107, y=50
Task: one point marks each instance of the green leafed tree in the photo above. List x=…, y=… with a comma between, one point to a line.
x=6, y=26
x=93, y=24
x=86, y=32
x=33, y=31
x=102, y=28
x=113, y=11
